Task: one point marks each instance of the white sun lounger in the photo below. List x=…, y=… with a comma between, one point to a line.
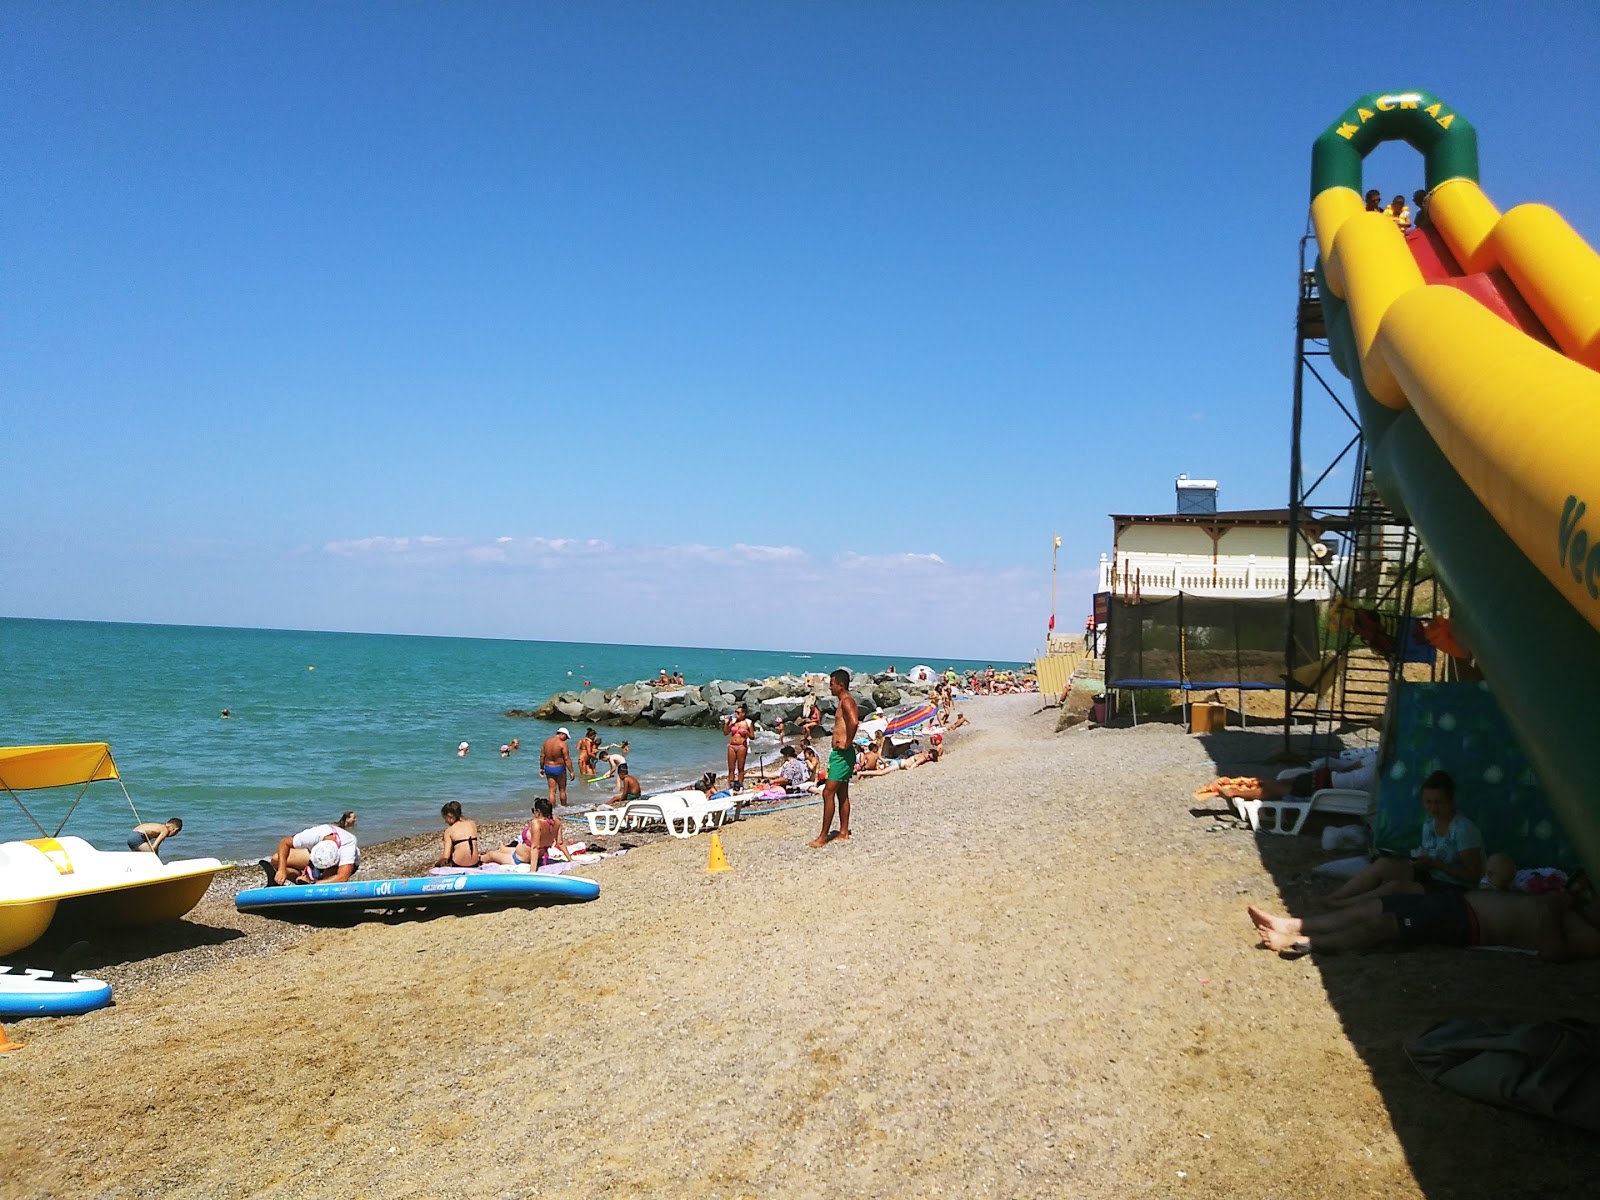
x=1288, y=815
x=684, y=814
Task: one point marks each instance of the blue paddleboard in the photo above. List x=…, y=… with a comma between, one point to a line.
x=27, y=992
x=429, y=891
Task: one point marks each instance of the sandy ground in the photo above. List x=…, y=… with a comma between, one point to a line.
x=1029, y=973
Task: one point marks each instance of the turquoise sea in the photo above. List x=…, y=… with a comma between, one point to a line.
x=323, y=722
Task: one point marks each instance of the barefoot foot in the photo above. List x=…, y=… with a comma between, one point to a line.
x=1265, y=920
x=1275, y=939
x=818, y=843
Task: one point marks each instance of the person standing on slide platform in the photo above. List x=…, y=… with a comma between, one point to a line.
x=841, y=761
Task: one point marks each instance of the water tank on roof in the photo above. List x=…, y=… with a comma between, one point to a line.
x=1196, y=497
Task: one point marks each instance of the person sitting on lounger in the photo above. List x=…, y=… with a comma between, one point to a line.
x=148, y=835
x=1559, y=928
x=1450, y=857
x=460, y=838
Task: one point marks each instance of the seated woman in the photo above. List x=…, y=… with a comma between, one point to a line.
x=795, y=774
x=1451, y=854
x=546, y=832
x=514, y=853
x=460, y=838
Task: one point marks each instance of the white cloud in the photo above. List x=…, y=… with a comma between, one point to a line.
x=741, y=594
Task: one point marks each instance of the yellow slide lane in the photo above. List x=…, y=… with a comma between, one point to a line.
x=1518, y=421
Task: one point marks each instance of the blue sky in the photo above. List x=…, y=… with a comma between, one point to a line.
x=774, y=325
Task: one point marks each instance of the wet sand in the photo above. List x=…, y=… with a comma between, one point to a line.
x=1029, y=973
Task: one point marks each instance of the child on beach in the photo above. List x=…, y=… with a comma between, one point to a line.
x=148, y=835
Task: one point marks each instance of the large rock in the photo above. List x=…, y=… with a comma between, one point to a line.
x=635, y=695
x=572, y=709
x=864, y=701
x=788, y=708
x=685, y=714
x=886, y=695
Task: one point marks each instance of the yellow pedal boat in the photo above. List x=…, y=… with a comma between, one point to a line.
x=64, y=879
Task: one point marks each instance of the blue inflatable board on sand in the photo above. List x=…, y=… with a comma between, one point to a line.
x=26, y=992
x=394, y=895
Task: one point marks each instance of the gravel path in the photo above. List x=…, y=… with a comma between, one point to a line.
x=1028, y=974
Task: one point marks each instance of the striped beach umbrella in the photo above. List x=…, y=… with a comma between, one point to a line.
x=909, y=716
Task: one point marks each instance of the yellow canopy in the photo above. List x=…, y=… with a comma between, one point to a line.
x=23, y=767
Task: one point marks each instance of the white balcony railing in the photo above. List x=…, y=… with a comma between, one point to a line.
x=1239, y=577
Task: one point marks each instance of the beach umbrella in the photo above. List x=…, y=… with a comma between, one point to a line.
x=921, y=673
x=909, y=716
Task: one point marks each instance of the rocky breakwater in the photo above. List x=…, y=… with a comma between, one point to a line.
x=784, y=698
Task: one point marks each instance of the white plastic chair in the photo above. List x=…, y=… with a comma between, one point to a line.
x=1289, y=814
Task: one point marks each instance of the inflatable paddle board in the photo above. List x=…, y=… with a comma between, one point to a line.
x=27, y=992
x=309, y=901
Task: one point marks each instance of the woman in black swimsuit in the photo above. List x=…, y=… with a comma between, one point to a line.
x=460, y=838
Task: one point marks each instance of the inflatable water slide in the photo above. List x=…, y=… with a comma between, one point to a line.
x=1472, y=344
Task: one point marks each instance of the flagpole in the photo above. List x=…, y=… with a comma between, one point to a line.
x=1054, y=550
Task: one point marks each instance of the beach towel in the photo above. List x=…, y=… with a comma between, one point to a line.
x=1550, y=1069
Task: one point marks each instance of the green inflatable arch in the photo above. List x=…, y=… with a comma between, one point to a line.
x=1446, y=140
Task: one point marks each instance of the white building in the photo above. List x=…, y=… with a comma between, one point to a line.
x=1202, y=552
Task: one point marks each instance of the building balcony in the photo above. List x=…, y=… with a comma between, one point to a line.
x=1252, y=577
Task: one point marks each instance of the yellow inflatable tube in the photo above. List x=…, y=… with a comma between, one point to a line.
x=1519, y=423
x=1557, y=272
x=1517, y=420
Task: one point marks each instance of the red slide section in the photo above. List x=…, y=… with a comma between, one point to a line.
x=1492, y=289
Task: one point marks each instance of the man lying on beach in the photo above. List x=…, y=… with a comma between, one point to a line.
x=931, y=755
x=321, y=854
x=1559, y=928
x=555, y=762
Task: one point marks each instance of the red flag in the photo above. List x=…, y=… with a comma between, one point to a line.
x=1052, y=620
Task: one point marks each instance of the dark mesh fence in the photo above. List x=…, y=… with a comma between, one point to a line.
x=1203, y=642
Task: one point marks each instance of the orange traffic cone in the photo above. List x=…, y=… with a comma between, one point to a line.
x=718, y=862
x=6, y=1043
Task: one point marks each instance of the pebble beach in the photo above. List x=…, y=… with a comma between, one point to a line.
x=1028, y=973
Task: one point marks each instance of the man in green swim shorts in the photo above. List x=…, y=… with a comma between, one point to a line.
x=841, y=761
